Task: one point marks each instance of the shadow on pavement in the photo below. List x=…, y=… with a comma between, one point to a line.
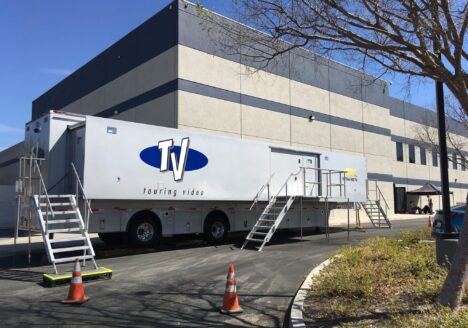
x=38, y=257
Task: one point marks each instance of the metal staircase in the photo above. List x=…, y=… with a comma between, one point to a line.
x=322, y=185
x=61, y=214
x=271, y=217
x=376, y=207
x=55, y=214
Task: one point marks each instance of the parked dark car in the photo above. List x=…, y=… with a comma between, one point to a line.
x=457, y=214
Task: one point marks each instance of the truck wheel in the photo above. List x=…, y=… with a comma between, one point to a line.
x=216, y=229
x=112, y=238
x=145, y=231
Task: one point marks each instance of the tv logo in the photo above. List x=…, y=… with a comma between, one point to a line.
x=178, y=167
x=178, y=159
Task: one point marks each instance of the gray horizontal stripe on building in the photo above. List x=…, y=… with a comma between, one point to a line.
x=9, y=162
x=222, y=94
x=380, y=177
x=410, y=181
x=141, y=99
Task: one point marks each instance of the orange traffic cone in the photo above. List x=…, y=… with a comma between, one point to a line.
x=429, y=223
x=76, y=293
x=231, y=303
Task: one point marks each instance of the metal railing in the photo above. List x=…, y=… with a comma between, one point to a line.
x=43, y=189
x=285, y=184
x=31, y=182
x=257, y=196
x=324, y=182
x=87, y=204
x=328, y=175
x=379, y=197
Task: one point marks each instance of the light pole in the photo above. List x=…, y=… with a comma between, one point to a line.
x=444, y=179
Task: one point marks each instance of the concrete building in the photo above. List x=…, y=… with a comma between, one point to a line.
x=171, y=71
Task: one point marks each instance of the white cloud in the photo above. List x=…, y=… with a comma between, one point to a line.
x=56, y=71
x=7, y=129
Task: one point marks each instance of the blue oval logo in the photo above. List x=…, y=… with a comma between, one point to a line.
x=195, y=159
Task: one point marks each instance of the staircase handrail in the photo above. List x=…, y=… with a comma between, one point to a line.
x=381, y=196
x=257, y=196
x=49, y=205
x=88, y=209
x=329, y=185
x=286, y=182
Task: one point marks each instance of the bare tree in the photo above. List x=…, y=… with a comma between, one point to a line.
x=404, y=36
x=426, y=134
x=419, y=38
x=457, y=133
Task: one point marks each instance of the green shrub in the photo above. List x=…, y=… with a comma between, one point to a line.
x=397, y=274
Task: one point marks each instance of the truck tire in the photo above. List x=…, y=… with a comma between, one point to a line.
x=216, y=228
x=145, y=231
x=112, y=238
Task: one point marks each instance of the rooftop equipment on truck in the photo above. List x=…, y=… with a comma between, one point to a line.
x=92, y=174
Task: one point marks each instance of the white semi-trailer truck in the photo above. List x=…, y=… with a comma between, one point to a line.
x=148, y=181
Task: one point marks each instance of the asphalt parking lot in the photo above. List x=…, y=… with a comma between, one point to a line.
x=181, y=285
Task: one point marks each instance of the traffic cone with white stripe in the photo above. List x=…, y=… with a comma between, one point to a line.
x=231, y=303
x=76, y=293
x=429, y=223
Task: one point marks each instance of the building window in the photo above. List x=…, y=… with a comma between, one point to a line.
x=399, y=151
x=423, y=156
x=434, y=159
x=454, y=161
x=411, y=153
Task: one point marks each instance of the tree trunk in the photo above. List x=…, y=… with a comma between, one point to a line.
x=455, y=283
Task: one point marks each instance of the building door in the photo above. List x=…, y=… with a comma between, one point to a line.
x=400, y=199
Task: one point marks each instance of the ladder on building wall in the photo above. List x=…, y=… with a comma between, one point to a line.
x=272, y=215
x=376, y=206
x=55, y=214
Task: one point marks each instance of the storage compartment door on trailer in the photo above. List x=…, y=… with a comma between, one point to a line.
x=125, y=160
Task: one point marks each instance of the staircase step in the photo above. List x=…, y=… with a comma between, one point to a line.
x=64, y=230
x=61, y=212
x=66, y=240
x=56, y=196
x=259, y=233
x=73, y=258
x=267, y=220
x=69, y=249
x=63, y=221
x=55, y=204
x=263, y=227
x=255, y=239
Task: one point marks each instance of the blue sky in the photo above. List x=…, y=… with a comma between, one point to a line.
x=44, y=41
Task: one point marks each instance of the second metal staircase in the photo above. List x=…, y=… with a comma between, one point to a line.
x=376, y=207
